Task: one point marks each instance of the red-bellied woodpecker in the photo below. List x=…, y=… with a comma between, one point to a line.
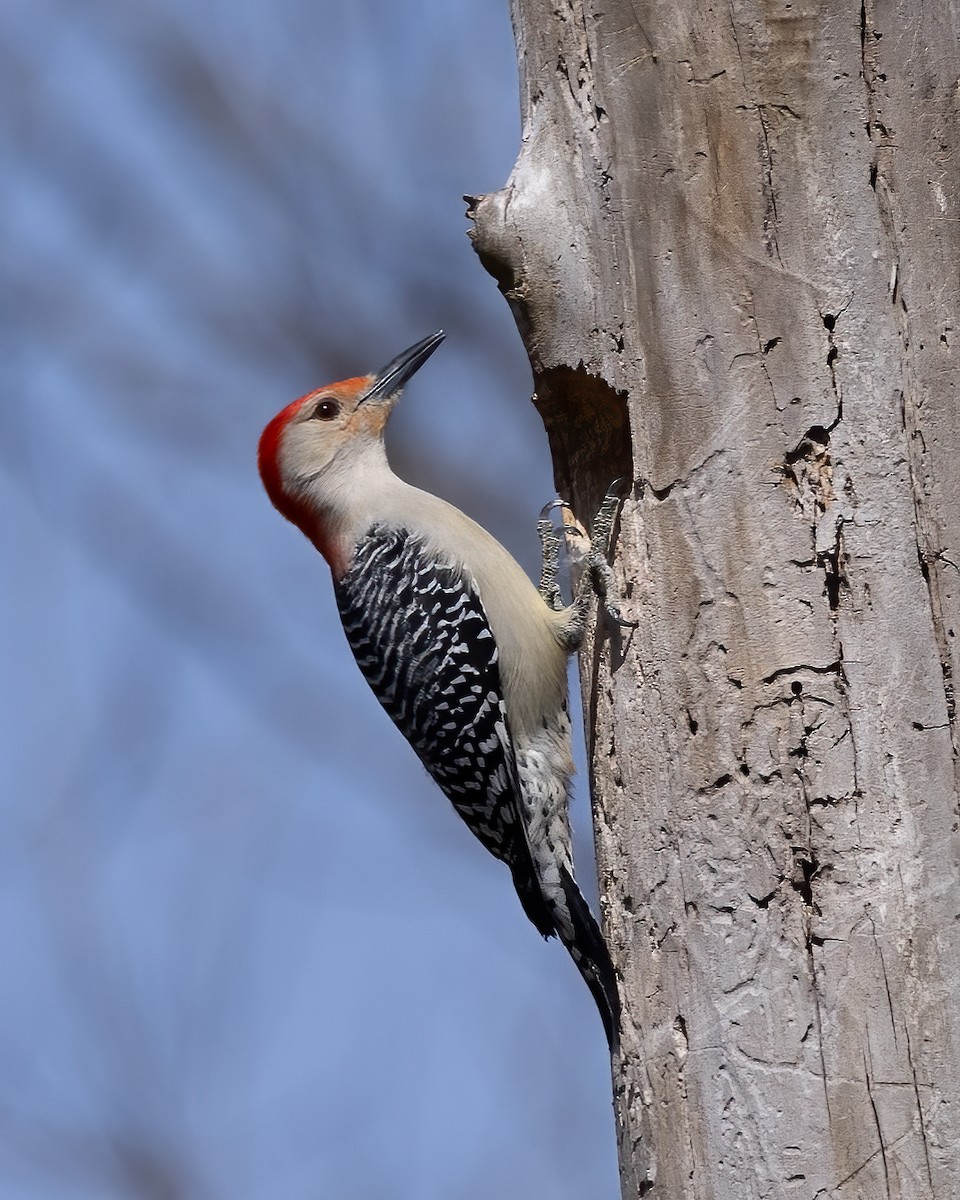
x=459, y=648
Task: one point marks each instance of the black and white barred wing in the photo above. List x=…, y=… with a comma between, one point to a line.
x=421, y=638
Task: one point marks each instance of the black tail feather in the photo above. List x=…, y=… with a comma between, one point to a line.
x=533, y=900
x=589, y=951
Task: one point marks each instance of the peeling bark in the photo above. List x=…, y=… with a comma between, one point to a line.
x=731, y=243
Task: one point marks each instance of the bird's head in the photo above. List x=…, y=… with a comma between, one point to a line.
x=310, y=448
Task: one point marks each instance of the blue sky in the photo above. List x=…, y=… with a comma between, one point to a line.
x=249, y=949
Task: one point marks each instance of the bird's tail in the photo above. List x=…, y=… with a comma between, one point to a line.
x=558, y=907
x=582, y=937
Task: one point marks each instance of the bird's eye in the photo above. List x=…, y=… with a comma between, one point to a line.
x=326, y=410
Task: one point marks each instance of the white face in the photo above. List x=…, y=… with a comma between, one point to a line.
x=313, y=443
x=330, y=423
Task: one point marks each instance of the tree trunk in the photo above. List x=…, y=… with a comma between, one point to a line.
x=731, y=245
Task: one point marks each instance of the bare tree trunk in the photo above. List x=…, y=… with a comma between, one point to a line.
x=732, y=243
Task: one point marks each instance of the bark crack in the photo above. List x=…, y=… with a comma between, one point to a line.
x=662, y=493
x=886, y=981
x=831, y=668
x=876, y=1118
x=736, y=41
x=807, y=867
x=765, y=152
x=922, y=1121
x=763, y=349
x=770, y=217
x=808, y=472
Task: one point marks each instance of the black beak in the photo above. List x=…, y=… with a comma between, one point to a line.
x=396, y=373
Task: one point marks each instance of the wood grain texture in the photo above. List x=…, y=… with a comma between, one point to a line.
x=731, y=242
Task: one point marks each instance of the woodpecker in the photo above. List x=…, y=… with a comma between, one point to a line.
x=458, y=645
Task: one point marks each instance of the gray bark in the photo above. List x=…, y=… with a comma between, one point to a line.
x=732, y=244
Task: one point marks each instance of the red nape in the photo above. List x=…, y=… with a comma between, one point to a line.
x=268, y=462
